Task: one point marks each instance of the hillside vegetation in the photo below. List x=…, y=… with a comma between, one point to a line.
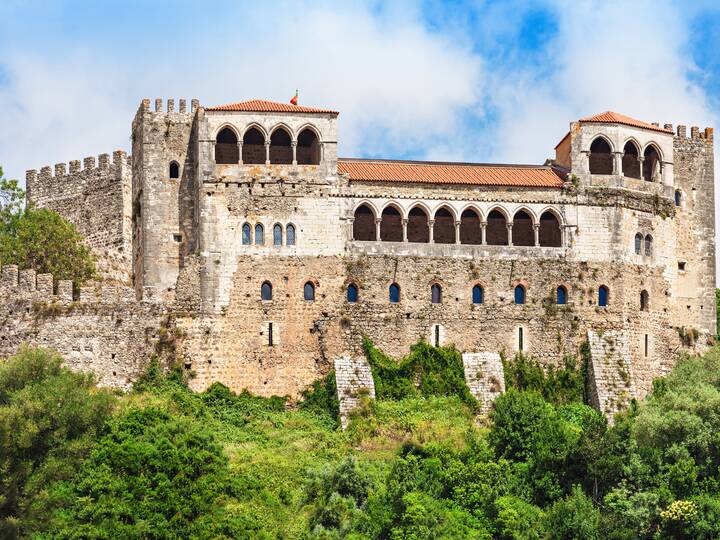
x=165, y=462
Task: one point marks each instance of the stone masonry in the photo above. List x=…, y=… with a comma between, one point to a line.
x=242, y=246
x=354, y=380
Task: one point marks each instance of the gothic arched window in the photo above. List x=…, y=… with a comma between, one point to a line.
x=290, y=235
x=277, y=235
x=477, y=294
x=309, y=291
x=638, y=243
x=259, y=235
x=174, y=169
x=246, y=234
x=436, y=294
x=266, y=291
x=519, y=294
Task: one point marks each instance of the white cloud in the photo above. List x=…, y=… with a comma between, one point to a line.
x=398, y=86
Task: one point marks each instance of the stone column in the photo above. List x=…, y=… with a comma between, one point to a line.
x=351, y=221
x=457, y=232
x=586, y=161
x=294, y=150
x=536, y=228
x=404, y=225
x=213, y=143
x=483, y=226
x=378, y=221
x=617, y=163
x=641, y=159
x=431, y=224
x=509, y=229
x=240, y=158
x=267, y=152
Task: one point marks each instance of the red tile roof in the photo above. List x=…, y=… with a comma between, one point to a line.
x=260, y=105
x=429, y=172
x=609, y=117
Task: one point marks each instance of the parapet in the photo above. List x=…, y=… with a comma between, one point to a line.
x=90, y=164
x=695, y=132
x=42, y=287
x=170, y=105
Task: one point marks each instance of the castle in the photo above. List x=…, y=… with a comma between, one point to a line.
x=236, y=234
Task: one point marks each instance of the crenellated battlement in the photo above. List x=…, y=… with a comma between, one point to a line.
x=28, y=284
x=695, y=132
x=170, y=105
x=90, y=164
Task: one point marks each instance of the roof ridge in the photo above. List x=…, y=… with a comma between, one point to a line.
x=451, y=163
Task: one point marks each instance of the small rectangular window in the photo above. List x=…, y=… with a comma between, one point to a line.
x=177, y=237
x=681, y=266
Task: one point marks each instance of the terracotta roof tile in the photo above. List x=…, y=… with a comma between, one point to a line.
x=429, y=172
x=260, y=105
x=617, y=118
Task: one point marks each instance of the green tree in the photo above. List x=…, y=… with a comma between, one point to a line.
x=574, y=517
x=152, y=476
x=49, y=420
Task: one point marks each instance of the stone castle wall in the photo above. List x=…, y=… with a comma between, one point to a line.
x=96, y=199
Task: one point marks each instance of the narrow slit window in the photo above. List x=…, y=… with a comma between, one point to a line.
x=437, y=335
x=646, y=345
x=521, y=339
x=270, y=334
x=436, y=294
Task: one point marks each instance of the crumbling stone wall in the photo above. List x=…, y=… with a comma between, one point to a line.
x=485, y=377
x=353, y=379
x=611, y=379
x=101, y=328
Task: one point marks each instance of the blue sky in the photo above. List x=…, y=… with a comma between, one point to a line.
x=455, y=80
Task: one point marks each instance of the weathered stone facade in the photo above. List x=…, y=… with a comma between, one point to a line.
x=272, y=257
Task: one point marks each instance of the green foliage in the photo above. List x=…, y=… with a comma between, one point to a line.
x=40, y=239
x=49, y=420
x=573, y=517
x=151, y=476
x=426, y=371
x=321, y=399
x=518, y=520
x=12, y=199
x=557, y=385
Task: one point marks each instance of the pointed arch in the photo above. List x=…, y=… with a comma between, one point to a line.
x=644, y=300
x=470, y=232
x=638, y=243
x=444, y=225
x=652, y=163
x=648, y=245
x=226, y=146
x=631, y=159
x=253, y=148
x=290, y=236
x=277, y=235
x=281, y=145
x=308, y=145
x=259, y=235
x=523, y=232
x=550, y=233
x=364, y=223
x=246, y=234
x=266, y=291
x=391, y=229
x=496, y=233
x=601, y=155
x=417, y=226
x=174, y=169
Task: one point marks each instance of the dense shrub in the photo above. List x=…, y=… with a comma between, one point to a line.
x=50, y=418
x=426, y=371
x=557, y=385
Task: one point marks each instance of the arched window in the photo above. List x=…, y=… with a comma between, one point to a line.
x=436, y=294
x=174, y=169
x=246, y=234
x=549, y=234
x=523, y=233
x=678, y=197
x=561, y=295
x=226, y=147
x=496, y=233
x=648, y=245
x=417, y=227
x=394, y=293
x=253, y=150
x=519, y=294
x=630, y=160
x=603, y=296
x=601, y=157
x=638, y=243
x=444, y=227
x=652, y=166
x=259, y=235
x=309, y=291
x=352, y=293
x=290, y=235
x=470, y=228
x=391, y=225
x=280, y=147
x=477, y=294
x=644, y=300
x=277, y=235
x=364, y=224
x=266, y=291
x=308, y=148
